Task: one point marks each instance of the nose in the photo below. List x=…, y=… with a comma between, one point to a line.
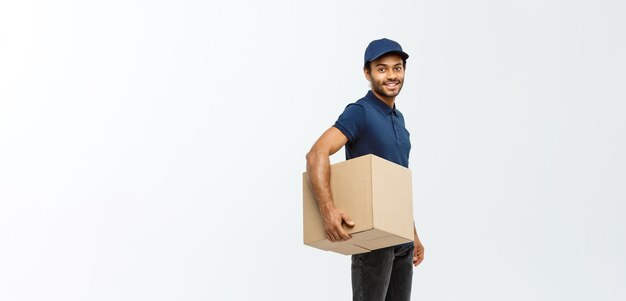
x=391, y=75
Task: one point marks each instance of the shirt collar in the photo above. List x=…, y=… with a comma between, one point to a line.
x=379, y=104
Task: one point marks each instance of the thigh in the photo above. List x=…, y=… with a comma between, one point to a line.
x=371, y=273
x=401, y=275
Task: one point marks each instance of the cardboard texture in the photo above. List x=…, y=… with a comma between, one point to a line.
x=377, y=196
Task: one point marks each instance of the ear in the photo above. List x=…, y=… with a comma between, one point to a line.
x=368, y=76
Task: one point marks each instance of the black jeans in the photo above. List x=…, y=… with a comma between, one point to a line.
x=384, y=274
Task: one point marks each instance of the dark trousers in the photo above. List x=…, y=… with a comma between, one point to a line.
x=384, y=274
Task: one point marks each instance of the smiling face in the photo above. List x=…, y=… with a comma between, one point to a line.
x=386, y=76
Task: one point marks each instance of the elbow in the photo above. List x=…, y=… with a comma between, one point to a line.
x=309, y=161
x=313, y=157
x=310, y=156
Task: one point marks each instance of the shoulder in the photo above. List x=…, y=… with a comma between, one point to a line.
x=351, y=122
x=358, y=107
x=353, y=113
x=361, y=106
x=355, y=107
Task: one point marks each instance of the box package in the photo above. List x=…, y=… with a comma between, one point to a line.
x=376, y=194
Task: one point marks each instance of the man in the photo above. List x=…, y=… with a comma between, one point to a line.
x=372, y=125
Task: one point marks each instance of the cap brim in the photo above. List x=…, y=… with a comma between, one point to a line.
x=402, y=54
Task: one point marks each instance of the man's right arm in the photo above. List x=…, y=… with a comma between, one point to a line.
x=318, y=170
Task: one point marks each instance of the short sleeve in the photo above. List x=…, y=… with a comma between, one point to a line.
x=351, y=121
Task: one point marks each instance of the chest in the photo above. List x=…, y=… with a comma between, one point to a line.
x=386, y=129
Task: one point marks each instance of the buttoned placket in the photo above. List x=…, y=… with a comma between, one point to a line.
x=394, y=124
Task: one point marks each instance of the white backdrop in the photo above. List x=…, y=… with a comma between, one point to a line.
x=152, y=150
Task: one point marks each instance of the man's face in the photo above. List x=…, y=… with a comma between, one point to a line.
x=386, y=76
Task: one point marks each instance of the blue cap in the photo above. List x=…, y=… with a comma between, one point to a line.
x=383, y=46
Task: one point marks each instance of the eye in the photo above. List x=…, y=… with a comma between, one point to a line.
x=381, y=69
x=398, y=68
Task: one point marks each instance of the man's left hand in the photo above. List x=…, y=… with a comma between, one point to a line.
x=418, y=251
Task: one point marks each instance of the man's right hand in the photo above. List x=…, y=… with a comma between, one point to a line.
x=333, y=220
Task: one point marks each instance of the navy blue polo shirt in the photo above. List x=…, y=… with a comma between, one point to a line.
x=372, y=127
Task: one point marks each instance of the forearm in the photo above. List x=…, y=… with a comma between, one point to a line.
x=318, y=168
x=318, y=171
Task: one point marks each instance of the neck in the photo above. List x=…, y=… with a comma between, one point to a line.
x=389, y=101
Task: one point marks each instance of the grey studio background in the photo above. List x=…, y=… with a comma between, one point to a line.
x=152, y=150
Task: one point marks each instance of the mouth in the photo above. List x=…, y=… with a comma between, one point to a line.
x=391, y=85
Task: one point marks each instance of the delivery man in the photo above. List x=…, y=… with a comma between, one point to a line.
x=371, y=125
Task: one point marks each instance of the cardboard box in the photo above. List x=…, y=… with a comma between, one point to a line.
x=376, y=194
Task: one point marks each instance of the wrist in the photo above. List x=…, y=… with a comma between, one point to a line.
x=326, y=207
